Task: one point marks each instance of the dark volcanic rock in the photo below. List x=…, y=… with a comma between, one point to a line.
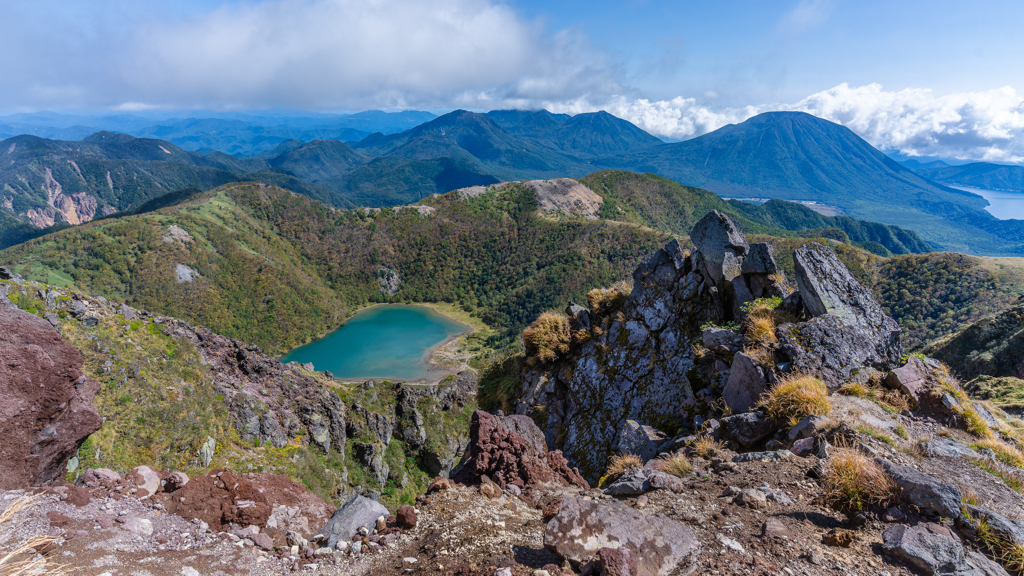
x=930, y=494
x=46, y=409
x=722, y=246
x=848, y=330
x=747, y=429
x=506, y=458
x=935, y=550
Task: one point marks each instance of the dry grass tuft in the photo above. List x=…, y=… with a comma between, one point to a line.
x=892, y=401
x=548, y=337
x=795, y=397
x=969, y=496
x=22, y=559
x=761, y=328
x=853, y=482
x=604, y=300
x=623, y=464
x=1005, y=453
x=706, y=447
x=676, y=465
x=1003, y=549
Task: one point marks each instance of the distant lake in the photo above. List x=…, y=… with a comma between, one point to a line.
x=1002, y=205
x=388, y=341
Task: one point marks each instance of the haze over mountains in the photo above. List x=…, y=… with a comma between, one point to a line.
x=786, y=155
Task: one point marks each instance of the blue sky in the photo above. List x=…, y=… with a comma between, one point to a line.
x=939, y=77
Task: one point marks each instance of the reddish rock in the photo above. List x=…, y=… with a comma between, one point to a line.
x=438, y=485
x=506, y=458
x=46, y=409
x=77, y=496
x=406, y=517
x=616, y=562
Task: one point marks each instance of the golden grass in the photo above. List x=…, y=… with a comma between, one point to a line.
x=890, y=400
x=969, y=496
x=853, y=482
x=676, y=465
x=622, y=464
x=1003, y=549
x=1005, y=453
x=795, y=397
x=21, y=558
x=761, y=328
x=706, y=447
x=603, y=300
x=548, y=337
x=975, y=423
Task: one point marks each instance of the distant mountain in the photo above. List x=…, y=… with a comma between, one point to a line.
x=977, y=175
x=241, y=138
x=586, y=135
x=796, y=156
x=476, y=138
x=319, y=160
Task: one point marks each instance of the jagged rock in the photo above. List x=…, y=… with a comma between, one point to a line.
x=582, y=527
x=985, y=415
x=722, y=341
x=768, y=456
x=927, y=493
x=747, y=429
x=579, y=317
x=722, y=246
x=802, y=447
x=809, y=427
x=46, y=409
x=640, y=440
x=759, y=260
x=1003, y=527
x=746, y=384
x=506, y=458
x=406, y=517
x=910, y=379
x=145, y=479
x=637, y=482
x=935, y=550
x=372, y=456
x=948, y=448
x=848, y=329
x=358, y=512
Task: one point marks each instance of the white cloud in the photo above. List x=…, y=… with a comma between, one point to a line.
x=986, y=125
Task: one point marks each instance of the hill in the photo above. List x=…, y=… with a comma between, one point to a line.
x=585, y=135
x=792, y=155
x=977, y=175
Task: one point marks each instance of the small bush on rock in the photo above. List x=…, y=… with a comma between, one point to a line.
x=548, y=337
x=853, y=482
x=623, y=464
x=795, y=397
x=677, y=465
x=706, y=446
x=604, y=300
x=1005, y=453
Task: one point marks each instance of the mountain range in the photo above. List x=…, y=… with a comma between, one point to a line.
x=786, y=155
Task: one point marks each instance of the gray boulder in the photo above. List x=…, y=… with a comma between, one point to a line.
x=759, y=260
x=639, y=439
x=809, y=427
x=746, y=384
x=722, y=341
x=358, y=512
x=747, y=429
x=948, y=448
x=927, y=493
x=582, y=527
x=1011, y=530
x=848, y=330
x=910, y=379
x=722, y=246
x=935, y=550
x=644, y=480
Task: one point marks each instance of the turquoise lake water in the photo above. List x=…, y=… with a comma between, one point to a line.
x=389, y=341
x=1002, y=205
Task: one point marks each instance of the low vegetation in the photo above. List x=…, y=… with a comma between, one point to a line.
x=796, y=397
x=852, y=482
x=677, y=465
x=621, y=464
x=19, y=557
x=892, y=401
x=548, y=337
x=706, y=447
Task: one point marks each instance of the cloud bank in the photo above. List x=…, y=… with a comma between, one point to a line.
x=986, y=125
x=359, y=54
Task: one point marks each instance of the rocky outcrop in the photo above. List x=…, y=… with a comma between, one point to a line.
x=506, y=458
x=46, y=409
x=848, y=332
x=936, y=550
x=638, y=357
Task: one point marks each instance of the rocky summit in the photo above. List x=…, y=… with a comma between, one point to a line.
x=711, y=416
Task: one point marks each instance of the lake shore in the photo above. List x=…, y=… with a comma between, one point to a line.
x=438, y=368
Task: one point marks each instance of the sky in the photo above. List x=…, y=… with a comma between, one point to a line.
x=936, y=78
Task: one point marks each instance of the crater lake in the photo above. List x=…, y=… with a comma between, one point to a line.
x=389, y=341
